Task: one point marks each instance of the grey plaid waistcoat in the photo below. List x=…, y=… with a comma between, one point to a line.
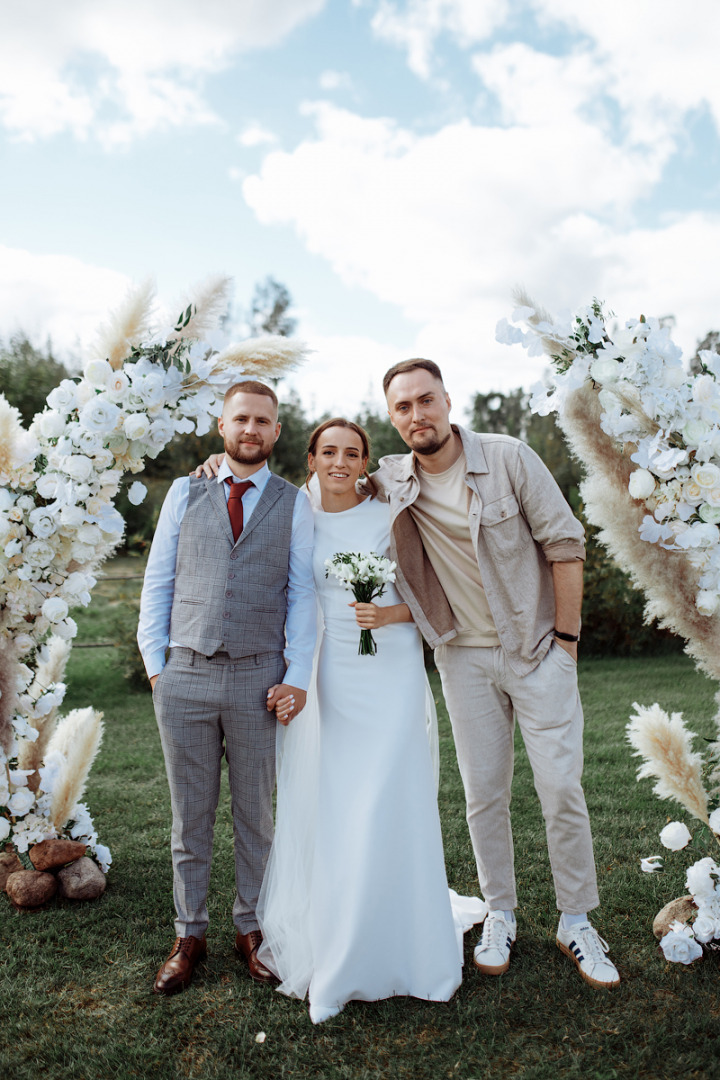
x=231, y=596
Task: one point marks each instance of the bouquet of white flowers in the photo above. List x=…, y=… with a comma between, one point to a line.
x=367, y=576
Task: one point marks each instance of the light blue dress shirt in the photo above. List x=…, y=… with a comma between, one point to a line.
x=159, y=584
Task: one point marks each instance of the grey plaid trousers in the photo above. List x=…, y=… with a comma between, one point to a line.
x=206, y=706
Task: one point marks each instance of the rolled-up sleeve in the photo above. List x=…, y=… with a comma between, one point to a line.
x=552, y=523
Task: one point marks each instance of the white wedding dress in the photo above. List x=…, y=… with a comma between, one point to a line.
x=355, y=903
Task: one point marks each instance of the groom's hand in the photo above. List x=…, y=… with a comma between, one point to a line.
x=210, y=467
x=286, y=700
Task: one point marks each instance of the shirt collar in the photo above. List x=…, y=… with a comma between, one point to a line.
x=259, y=478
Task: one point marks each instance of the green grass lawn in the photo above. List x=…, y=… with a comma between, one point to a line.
x=75, y=982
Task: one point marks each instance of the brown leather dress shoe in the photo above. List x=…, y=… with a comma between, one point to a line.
x=247, y=945
x=177, y=971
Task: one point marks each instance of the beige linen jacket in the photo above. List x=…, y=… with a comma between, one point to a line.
x=520, y=523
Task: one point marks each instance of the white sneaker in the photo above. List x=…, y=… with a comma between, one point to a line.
x=583, y=944
x=492, y=952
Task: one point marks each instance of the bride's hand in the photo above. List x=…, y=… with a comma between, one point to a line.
x=370, y=616
x=209, y=468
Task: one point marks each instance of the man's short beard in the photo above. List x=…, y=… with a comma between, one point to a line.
x=247, y=453
x=433, y=447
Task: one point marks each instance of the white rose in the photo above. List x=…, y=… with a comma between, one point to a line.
x=99, y=415
x=78, y=466
x=39, y=553
x=54, y=609
x=713, y=820
x=695, y=431
x=20, y=802
x=705, y=390
x=150, y=389
x=705, y=474
x=4, y=828
x=118, y=386
x=675, y=836
x=136, y=493
x=84, y=392
x=680, y=948
x=709, y=513
x=52, y=424
x=103, y=458
x=701, y=877
x=47, y=485
x=641, y=484
x=136, y=426
x=42, y=523
x=98, y=373
x=706, y=602
x=63, y=397
x=704, y=928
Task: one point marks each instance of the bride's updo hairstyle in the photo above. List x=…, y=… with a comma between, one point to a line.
x=339, y=421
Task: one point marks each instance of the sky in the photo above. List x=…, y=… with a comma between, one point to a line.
x=399, y=165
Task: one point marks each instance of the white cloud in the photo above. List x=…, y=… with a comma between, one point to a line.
x=335, y=80
x=444, y=225
x=343, y=373
x=119, y=69
x=256, y=135
x=417, y=26
x=56, y=297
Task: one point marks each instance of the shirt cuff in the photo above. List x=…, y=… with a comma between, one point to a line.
x=298, y=675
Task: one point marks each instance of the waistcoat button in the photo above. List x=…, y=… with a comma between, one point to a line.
x=226, y=614
x=228, y=592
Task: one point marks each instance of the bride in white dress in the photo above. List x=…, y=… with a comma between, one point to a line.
x=355, y=903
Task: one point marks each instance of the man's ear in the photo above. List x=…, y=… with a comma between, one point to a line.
x=220, y=424
x=278, y=429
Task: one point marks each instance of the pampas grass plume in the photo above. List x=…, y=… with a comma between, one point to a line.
x=51, y=669
x=265, y=357
x=210, y=300
x=8, y=695
x=73, y=748
x=126, y=326
x=665, y=745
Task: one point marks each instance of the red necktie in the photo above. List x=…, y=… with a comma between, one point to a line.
x=235, y=506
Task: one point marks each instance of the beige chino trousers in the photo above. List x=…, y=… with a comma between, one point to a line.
x=484, y=696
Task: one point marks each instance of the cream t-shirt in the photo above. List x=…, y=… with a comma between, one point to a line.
x=441, y=515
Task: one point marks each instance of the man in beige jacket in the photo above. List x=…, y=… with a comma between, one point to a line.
x=490, y=562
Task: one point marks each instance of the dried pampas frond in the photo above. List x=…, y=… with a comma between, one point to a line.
x=72, y=750
x=552, y=346
x=127, y=326
x=17, y=446
x=665, y=745
x=8, y=694
x=263, y=357
x=51, y=669
x=200, y=312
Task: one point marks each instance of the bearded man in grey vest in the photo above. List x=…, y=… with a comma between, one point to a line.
x=229, y=589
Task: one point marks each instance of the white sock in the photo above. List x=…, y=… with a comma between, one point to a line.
x=508, y=916
x=572, y=920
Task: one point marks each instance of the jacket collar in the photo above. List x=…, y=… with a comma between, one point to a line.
x=403, y=467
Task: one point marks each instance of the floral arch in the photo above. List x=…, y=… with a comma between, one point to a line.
x=58, y=483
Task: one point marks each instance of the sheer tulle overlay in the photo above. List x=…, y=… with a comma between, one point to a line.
x=355, y=903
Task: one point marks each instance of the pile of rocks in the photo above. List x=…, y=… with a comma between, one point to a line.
x=61, y=868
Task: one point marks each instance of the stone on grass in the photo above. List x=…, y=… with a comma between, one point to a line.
x=49, y=854
x=81, y=880
x=9, y=863
x=681, y=909
x=30, y=888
